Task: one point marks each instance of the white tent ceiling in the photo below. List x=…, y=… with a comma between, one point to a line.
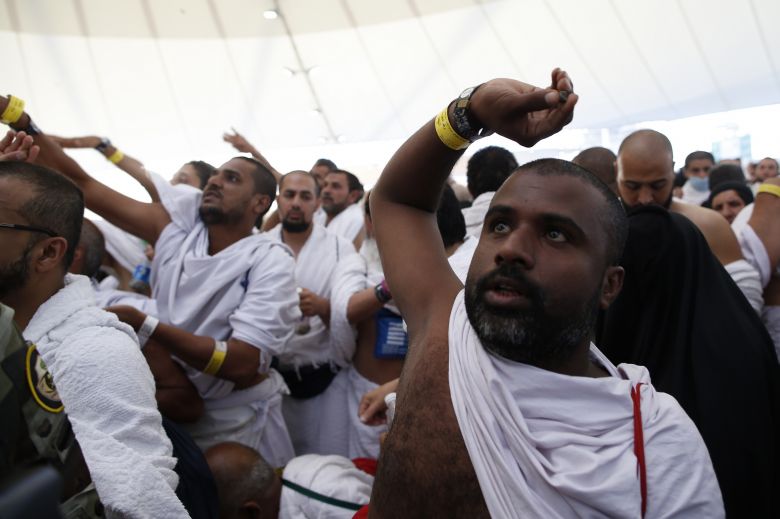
x=166, y=77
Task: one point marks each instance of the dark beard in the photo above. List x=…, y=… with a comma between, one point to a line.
x=666, y=205
x=15, y=276
x=334, y=209
x=530, y=336
x=216, y=216
x=295, y=227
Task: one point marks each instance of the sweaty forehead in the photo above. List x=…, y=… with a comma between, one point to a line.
x=531, y=194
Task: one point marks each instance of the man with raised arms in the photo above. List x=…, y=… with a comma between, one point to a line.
x=226, y=297
x=504, y=406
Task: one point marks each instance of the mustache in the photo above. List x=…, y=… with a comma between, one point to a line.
x=514, y=275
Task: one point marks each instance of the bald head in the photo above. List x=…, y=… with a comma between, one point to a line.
x=645, y=169
x=246, y=484
x=601, y=162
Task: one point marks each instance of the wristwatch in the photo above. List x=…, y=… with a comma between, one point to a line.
x=105, y=142
x=464, y=123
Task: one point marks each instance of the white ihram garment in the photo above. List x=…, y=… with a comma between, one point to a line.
x=475, y=214
x=550, y=445
x=307, y=419
x=108, y=394
x=245, y=292
x=126, y=249
x=347, y=224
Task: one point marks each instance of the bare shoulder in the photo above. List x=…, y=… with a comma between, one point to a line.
x=716, y=230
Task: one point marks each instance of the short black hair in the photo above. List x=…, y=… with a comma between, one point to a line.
x=726, y=173
x=600, y=161
x=56, y=203
x=93, y=243
x=740, y=188
x=264, y=180
x=613, y=214
x=305, y=174
x=452, y=224
x=327, y=163
x=203, y=169
x=488, y=168
x=699, y=155
x=353, y=182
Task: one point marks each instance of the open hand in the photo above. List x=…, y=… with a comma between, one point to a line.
x=238, y=141
x=18, y=146
x=373, y=409
x=128, y=315
x=522, y=112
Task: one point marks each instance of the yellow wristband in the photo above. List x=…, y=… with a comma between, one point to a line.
x=217, y=358
x=447, y=135
x=770, y=189
x=116, y=156
x=13, y=111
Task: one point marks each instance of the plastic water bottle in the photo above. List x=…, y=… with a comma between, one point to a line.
x=140, y=281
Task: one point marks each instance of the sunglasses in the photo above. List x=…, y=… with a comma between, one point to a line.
x=31, y=228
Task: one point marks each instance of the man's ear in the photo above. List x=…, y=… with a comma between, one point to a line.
x=353, y=196
x=263, y=204
x=48, y=254
x=611, y=285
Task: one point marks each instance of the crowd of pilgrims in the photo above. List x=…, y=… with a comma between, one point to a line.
x=207, y=354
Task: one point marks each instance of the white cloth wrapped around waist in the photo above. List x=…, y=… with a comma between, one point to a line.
x=549, y=445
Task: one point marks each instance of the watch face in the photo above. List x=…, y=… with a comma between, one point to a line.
x=467, y=93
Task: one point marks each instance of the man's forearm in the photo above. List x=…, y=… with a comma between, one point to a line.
x=417, y=172
x=240, y=364
x=134, y=168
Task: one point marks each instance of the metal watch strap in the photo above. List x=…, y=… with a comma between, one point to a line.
x=463, y=123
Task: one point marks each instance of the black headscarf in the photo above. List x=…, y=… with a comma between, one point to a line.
x=682, y=316
x=742, y=190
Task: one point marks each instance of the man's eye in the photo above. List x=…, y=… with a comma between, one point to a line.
x=500, y=227
x=556, y=235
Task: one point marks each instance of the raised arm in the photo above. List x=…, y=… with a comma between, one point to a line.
x=120, y=159
x=138, y=218
x=765, y=219
x=403, y=203
x=240, y=143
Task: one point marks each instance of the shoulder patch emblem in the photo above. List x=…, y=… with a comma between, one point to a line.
x=41, y=382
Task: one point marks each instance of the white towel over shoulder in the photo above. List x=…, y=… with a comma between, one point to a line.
x=550, y=445
x=108, y=394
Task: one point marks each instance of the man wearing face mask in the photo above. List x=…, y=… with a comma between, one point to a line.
x=697, y=173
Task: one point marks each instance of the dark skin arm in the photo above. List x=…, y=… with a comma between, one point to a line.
x=176, y=396
x=242, y=360
x=128, y=164
x=145, y=220
x=425, y=432
x=765, y=221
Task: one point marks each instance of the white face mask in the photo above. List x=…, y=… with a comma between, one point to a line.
x=700, y=184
